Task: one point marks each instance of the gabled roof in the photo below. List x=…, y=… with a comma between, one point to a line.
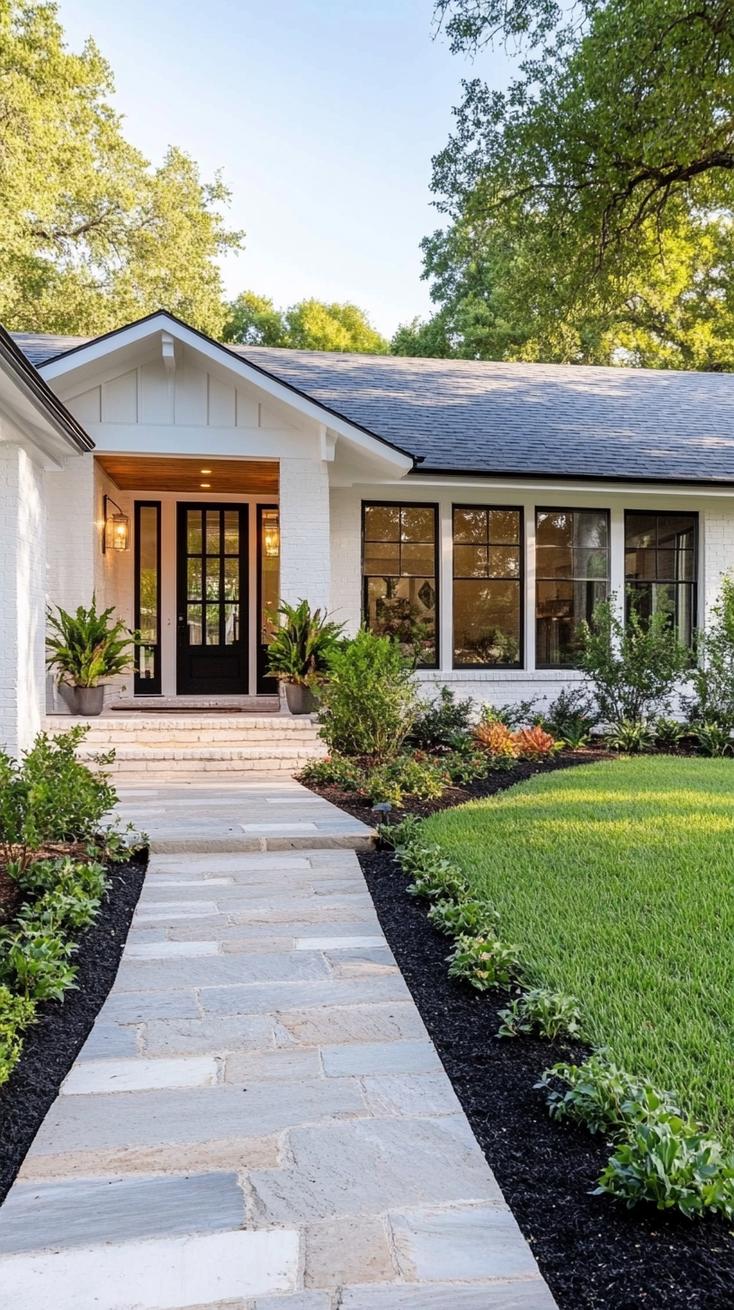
x=36, y=391
x=529, y=420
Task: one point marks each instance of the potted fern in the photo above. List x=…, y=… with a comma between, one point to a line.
x=299, y=651
x=85, y=648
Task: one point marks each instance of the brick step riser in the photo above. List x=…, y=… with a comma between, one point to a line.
x=130, y=769
x=201, y=741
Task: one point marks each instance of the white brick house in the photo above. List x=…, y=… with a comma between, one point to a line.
x=482, y=507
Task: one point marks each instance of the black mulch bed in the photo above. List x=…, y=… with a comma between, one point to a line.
x=361, y=808
x=54, y=1041
x=591, y=1251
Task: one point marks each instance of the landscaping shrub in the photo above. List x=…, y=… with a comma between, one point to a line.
x=483, y=962
x=36, y=949
x=465, y=918
x=496, y=739
x=49, y=797
x=631, y=736
x=601, y=1097
x=16, y=1014
x=670, y=1165
x=370, y=700
x=712, y=678
x=443, y=722
x=467, y=765
x=632, y=665
x=534, y=743
x=518, y=714
x=543, y=1013
x=391, y=783
x=334, y=771
x=714, y=739
x=503, y=744
x=669, y=733
x=571, y=718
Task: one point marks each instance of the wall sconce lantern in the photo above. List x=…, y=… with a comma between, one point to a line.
x=271, y=534
x=116, y=535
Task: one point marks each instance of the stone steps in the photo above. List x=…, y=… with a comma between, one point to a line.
x=184, y=745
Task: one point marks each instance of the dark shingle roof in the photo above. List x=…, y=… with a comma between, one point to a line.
x=461, y=416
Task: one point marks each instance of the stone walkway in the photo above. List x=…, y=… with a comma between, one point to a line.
x=258, y=1119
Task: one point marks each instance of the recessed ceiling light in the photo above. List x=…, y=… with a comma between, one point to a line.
x=205, y=470
x=205, y=485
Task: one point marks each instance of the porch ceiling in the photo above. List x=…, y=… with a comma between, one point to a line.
x=170, y=473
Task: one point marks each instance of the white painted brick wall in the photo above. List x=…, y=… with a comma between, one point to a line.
x=717, y=551
x=22, y=587
x=305, y=556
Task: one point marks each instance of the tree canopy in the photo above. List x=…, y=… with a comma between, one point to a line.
x=92, y=234
x=308, y=325
x=590, y=206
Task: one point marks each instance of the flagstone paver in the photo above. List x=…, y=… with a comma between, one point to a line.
x=258, y=1117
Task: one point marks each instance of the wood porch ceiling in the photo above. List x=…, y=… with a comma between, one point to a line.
x=171, y=473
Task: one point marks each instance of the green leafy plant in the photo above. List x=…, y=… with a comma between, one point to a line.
x=713, y=739
x=465, y=918
x=517, y=714
x=571, y=717
x=632, y=666
x=631, y=736
x=602, y=1097
x=483, y=962
x=49, y=797
x=712, y=677
x=370, y=701
x=443, y=721
x=432, y=875
x=467, y=764
x=301, y=644
x=543, y=1013
x=334, y=771
x=85, y=647
x=669, y=1164
x=16, y=1014
x=35, y=961
x=669, y=733
x=406, y=777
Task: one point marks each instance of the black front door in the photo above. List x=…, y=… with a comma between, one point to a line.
x=212, y=600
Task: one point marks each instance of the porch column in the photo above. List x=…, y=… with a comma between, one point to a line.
x=23, y=589
x=305, y=563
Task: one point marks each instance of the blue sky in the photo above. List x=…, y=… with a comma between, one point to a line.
x=323, y=116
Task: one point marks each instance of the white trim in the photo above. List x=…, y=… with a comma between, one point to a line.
x=101, y=348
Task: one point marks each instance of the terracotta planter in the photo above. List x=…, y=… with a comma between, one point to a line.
x=299, y=699
x=86, y=701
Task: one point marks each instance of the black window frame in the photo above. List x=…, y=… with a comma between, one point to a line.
x=147, y=686
x=400, y=505
x=566, y=509
x=692, y=583
x=520, y=579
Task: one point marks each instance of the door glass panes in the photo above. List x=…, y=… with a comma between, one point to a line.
x=572, y=576
x=400, y=578
x=487, y=568
x=213, y=533
x=269, y=571
x=660, y=566
x=147, y=584
x=213, y=576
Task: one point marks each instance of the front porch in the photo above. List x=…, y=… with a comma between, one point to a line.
x=195, y=568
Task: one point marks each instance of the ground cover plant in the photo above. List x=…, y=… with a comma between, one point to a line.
x=55, y=853
x=615, y=883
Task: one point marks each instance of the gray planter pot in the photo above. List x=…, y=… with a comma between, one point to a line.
x=87, y=701
x=300, y=700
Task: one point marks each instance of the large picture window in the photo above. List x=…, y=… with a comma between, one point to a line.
x=572, y=576
x=400, y=578
x=660, y=566
x=487, y=586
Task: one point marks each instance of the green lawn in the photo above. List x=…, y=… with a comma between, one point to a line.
x=616, y=881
